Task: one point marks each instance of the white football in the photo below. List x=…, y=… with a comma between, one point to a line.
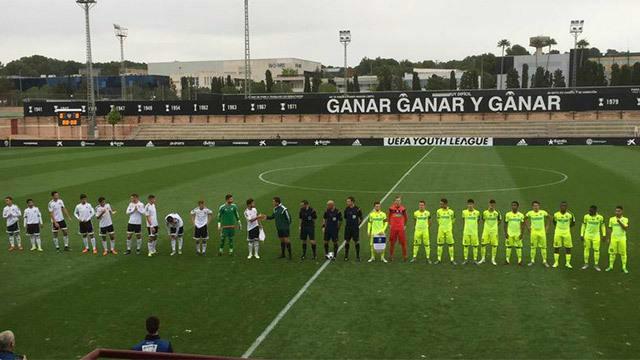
x=329, y=256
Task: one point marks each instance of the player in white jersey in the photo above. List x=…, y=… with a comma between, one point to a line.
x=103, y=213
x=201, y=217
x=175, y=227
x=152, y=224
x=135, y=210
x=58, y=212
x=84, y=212
x=253, y=228
x=32, y=222
x=11, y=213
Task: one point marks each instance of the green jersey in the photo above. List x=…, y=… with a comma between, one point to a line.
x=422, y=220
x=471, y=218
x=592, y=226
x=537, y=220
x=281, y=217
x=563, y=222
x=491, y=220
x=446, y=218
x=228, y=215
x=514, y=223
x=617, y=231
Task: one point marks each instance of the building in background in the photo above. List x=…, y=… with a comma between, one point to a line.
x=549, y=62
x=290, y=70
x=425, y=74
x=626, y=58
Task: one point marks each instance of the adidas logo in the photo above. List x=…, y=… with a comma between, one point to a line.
x=356, y=143
x=522, y=142
x=150, y=144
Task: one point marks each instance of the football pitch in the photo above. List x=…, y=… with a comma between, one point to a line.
x=63, y=305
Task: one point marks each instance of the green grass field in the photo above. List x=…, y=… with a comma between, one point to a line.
x=61, y=306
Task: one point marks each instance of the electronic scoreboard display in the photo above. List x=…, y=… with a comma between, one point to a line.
x=69, y=117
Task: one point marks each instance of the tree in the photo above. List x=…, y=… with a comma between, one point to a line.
x=328, y=88
x=356, y=83
x=453, y=82
x=436, y=82
x=289, y=72
x=217, y=85
x=625, y=75
x=469, y=80
x=230, y=82
x=282, y=88
x=307, y=83
x=504, y=43
x=558, y=79
x=616, y=78
x=592, y=74
x=635, y=74
x=513, y=81
x=114, y=119
x=316, y=81
x=541, y=78
x=415, y=82
x=517, y=50
x=525, y=76
x=582, y=45
x=384, y=79
x=269, y=81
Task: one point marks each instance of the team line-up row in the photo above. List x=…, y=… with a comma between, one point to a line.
x=536, y=221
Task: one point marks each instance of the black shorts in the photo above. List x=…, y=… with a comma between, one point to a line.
x=352, y=233
x=330, y=235
x=307, y=233
x=254, y=233
x=106, y=230
x=33, y=229
x=176, y=231
x=201, y=233
x=62, y=225
x=13, y=228
x=283, y=233
x=134, y=228
x=155, y=230
x=86, y=227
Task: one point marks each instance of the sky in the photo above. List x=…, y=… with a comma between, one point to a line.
x=168, y=30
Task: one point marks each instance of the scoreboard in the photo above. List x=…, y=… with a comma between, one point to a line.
x=69, y=117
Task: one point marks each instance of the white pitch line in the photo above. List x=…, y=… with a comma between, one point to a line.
x=313, y=278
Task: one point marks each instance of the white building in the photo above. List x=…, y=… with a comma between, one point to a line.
x=425, y=74
x=551, y=62
x=204, y=71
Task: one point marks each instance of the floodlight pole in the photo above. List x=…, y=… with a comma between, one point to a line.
x=345, y=39
x=575, y=29
x=247, y=52
x=92, y=131
x=121, y=34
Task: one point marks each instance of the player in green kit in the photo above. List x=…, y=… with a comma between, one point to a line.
x=563, y=221
x=538, y=224
x=592, y=226
x=422, y=216
x=619, y=226
x=490, y=219
x=376, y=226
x=228, y=222
x=446, y=218
x=470, y=218
x=513, y=228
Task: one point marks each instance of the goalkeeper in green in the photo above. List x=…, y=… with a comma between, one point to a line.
x=228, y=222
x=592, y=226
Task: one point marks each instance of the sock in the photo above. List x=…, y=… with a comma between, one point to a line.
x=624, y=261
x=534, y=253
x=282, y=247
x=304, y=249
x=335, y=248
x=230, y=245
x=104, y=245
x=221, y=248
x=519, y=254
x=586, y=254
x=138, y=244
x=33, y=241
x=113, y=245
x=543, y=252
x=427, y=251
x=65, y=238
x=55, y=243
x=128, y=244
x=612, y=260
x=556, y=257
x=465, y=252
x=475, y=253
x=93, y=242
x=440, y=249
x=180, y=243
x=483, y=252
x=494, y=252
x=508, y=254
x=451, y=253
x=326, y=248
x=256, y=247
x=358, y=250
x=39, y=242
x=289, y=249
x=346, y=249
x=314, y=249
x=596, y=257
x=250, y=247
x=173, y=244
x=18, y=240
x=373, y=251
x=204, y=247
x=416, y=249
x=150, y=247
x=568, y=259
x=11, y=241
x=85, y=241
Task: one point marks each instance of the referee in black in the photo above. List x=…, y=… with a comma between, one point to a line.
x=308, y=218
x=352, y=221
x=332, y=220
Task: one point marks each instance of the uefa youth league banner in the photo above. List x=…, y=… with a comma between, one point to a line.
x=437, y=141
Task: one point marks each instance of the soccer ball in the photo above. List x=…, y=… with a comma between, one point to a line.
x=329, y=256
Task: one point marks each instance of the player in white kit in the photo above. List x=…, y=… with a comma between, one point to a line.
x=253, y=229
x=11, y=213
x=135, y=210
x=152, y=224
x=103, y=213
x=84, y=213
x=175, y=227
x=201, y=217
x=58, y=212
x=32, y=222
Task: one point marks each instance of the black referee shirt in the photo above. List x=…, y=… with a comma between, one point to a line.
x=352, y=217
x=332, y=219
x=307, y=217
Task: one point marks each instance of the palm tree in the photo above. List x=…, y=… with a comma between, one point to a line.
x=504, y=43
x=551, y=43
